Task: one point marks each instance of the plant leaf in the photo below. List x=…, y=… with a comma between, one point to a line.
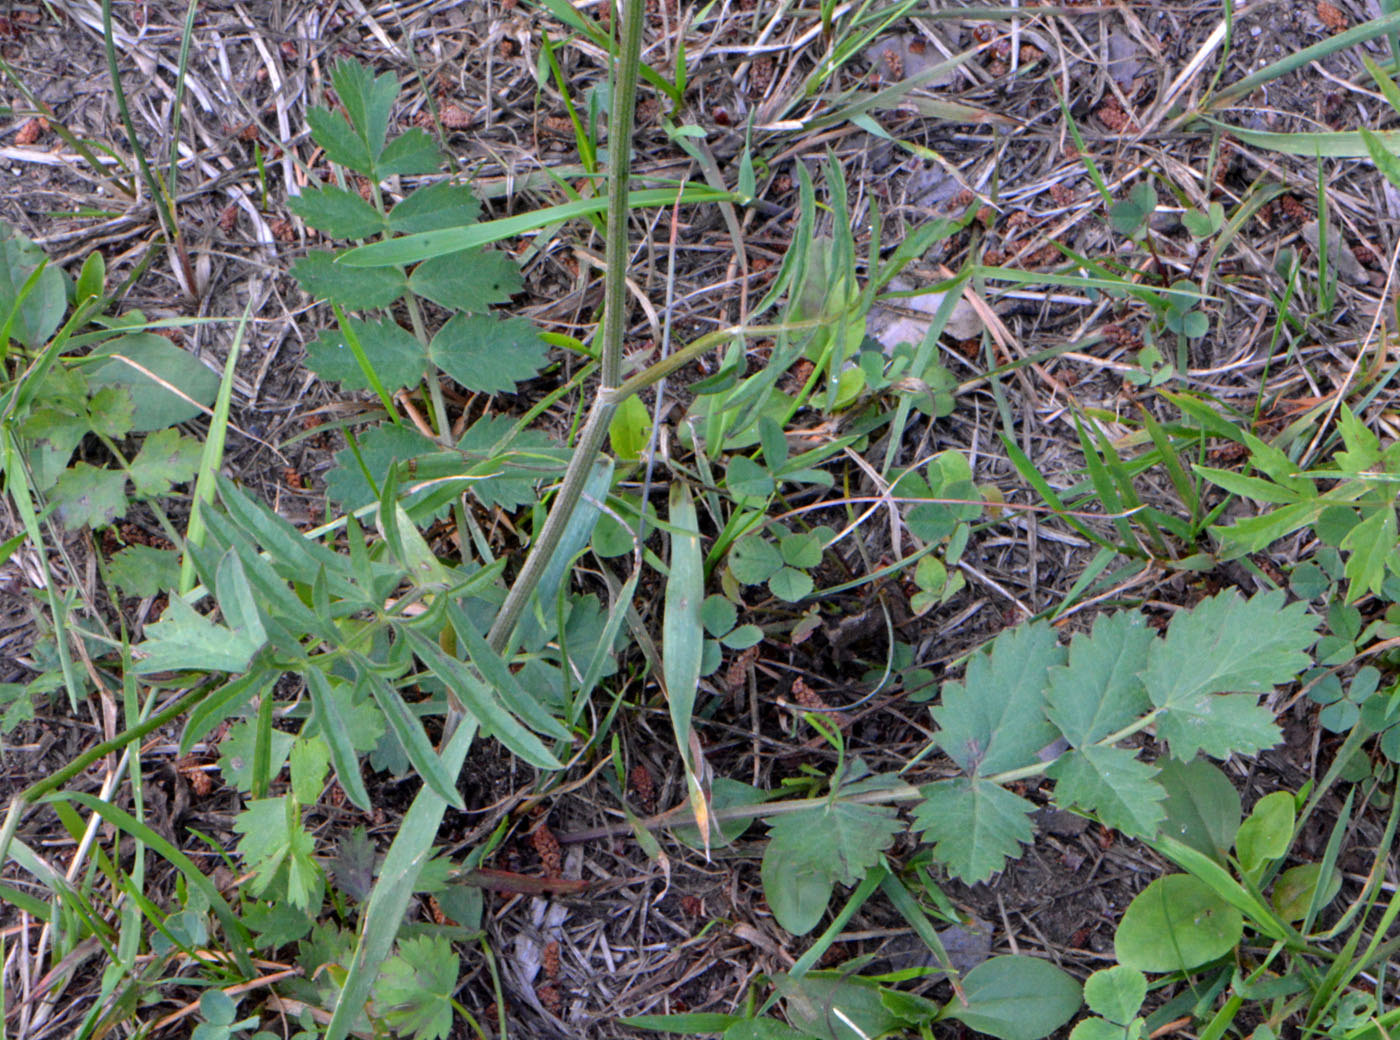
x=1202, y=806
x=343, y=146
x=278, y=848
x=1112, y=783
x=412, y=152
x=975, y=826
x=468, y=281
x=994, y=719
x=1175, y=924
x=414, y=741
x=1016, y=998
x=1100, y=691
x=86, y=496
x=337, y=212
x=488, y=354
x=367, y=100
x=167, y=457
x=414, y=991
x=356, y=288
x=398, y=359
x=435, y=207
x=155, y=407
x=43, y=307
x=1369, y=543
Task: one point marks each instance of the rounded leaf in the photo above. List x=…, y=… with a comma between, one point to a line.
x=1016, y=998
x=1268, y=832
x=1175, y=924
x=797, y=890
x=1202, y=806
x=1293, y=891
x=1116, y=993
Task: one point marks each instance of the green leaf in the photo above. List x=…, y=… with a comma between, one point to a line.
x=409, y=730
x=1369, y=543
x=1016, y=998
x=435, y=207
x=487, y=354
x=332, y=709
x=51, y=435
x=1226, y=643
x=343, y=146
x=718, y=615
x=468, y=281
x=681, y=642
x=279, y=850
x=311, y=759
x=337, y=212
x=1099, y=692
x=367, y=100
x=810, y=851
x=975, y=826
x=167, y=457
x=994, y=719
x=414, y=991
x=1175, y=924
x=743, y=637
x=139, y=570
x=396, y=357
x=236, y=753
x=1116, y=993
x=791, y=585
x=628, y=433
x=111, y=411
x=814, y=1000
x=121, y=363
x=412, y=152
x=745, y=478
x=86, y=496
x=1267, y=832
x=183, y=639
x=42, y=310
x=1293, y=891
x=754, y=559
x=356, y=288
x=1113, y=784
x=802, y=550
x=1202, y=806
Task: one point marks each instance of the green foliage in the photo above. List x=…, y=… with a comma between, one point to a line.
x=414, y=992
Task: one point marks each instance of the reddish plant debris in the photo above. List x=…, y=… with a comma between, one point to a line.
x=643, y=787
x=192, y=770
x=692, y=906
x=760, y=76
x=1063, y=194
x=455, y=117
x=1122, y=338
x=549, y=960
x=808, y=698
x=550, y=998
x=1292, y=208
x=32, y=130
x=1331, y=16
x=1113, y=116
x=228, y=218
x=738, y=671
x=282, y=230
x=546, y=846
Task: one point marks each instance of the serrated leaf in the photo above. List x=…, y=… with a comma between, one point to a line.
x=310, y=759
x=435, y=207
x=1370, y=543
x=357, y=288
x=488, y=354
x=111, y=411
x=414, y=991
x=1113, y=784
x=1099, y=691
x=1218, y=725
x=88, y=496
x=278, y=849
x=51, y=435
x=183, y=639
x=396, y=357
x=506, y=476
x=367, y=99
x=470, y=281
x=343, y=146
x=125, y=361
x=139, y=570
x=166, y=458
x=1227, y=643
x=994, y=719
x=236, y=753
x=337, y=212
x=352, y=868
x=974, y=825
x=412, y=152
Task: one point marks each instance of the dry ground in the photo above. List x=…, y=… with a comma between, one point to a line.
x=679, y=932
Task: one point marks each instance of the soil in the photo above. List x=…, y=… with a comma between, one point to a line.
x=675, y=931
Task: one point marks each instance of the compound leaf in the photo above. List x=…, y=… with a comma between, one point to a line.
x=488, y=354
x=277, y=847
x=412, y=152
x=358, y=288
x=184, y=639
x=437, y=206
x=994, y=719
x=1112, y=783
x=396, y=357
x=975, y=826
x=1219, y=725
